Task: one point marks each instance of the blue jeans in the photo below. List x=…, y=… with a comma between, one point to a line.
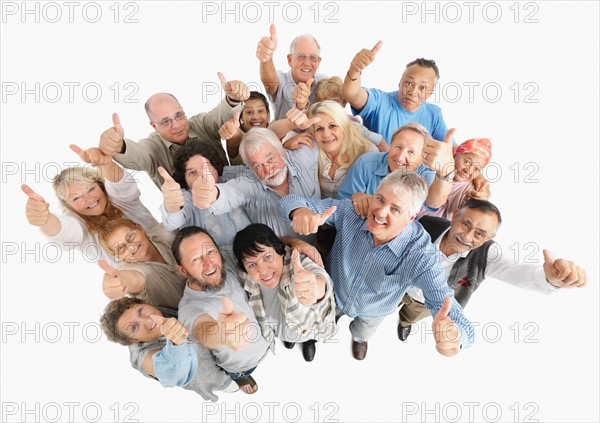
x=240, y=375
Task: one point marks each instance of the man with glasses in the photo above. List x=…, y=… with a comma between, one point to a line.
x=294, y=88
x=145, y=269
x=384, y=112
x=173, y=129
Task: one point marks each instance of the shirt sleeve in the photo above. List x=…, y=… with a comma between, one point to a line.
x=175, y=365
x=125, y=190
x=138, y=155
x=208, y=124
x=521, y=275
x=178, y=219
x=291, y=202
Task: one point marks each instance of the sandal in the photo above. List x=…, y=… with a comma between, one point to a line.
x=248, y=381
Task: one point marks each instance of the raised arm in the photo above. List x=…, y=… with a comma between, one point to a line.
x=352, y=91
x=264, y=51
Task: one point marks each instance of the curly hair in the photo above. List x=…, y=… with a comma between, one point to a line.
x=190, y=150
x=110, y=318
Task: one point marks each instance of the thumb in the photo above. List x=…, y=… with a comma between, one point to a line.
x=227, y=306
x=273, y=33
x=222, y=78
x=449, y=135
x=236, y=118
x=108, y=269
x=377, y=47
x=116, y=121
x=159, y=320
x=296, y=261
x=548, y=258
x=31, y=193
x=82, y=154
x=310, y=82
x=445, y=309
x=166, y=176
x=325, y=215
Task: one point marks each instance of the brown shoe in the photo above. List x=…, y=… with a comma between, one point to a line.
x=359, y=350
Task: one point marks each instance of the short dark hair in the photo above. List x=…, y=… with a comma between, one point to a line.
x=426, y=63
x=194, y=148
x=483, y=206
x=110, y=318
x=247, y=241
x=184, y=233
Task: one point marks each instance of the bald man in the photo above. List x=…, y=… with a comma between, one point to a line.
x=173, y=129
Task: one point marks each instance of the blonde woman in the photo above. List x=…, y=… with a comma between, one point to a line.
x=89, y=197
x=340, y=144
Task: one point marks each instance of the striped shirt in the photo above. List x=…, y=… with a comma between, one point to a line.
x=370, y=281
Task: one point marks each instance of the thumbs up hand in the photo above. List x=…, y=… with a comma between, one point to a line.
x=305, y=282
x=233, y=326
x=363, y=59
x=37, y=210
x=306, y=222
x=204, y=190
x=236, y=90
x=231, y=127
x=171, y=329
x=438, y=155
x=445, y=331
x=112, y=284
x=171, y=190
x=111, y=140
x=563, y=273
x=267, y=45
x=301, y=93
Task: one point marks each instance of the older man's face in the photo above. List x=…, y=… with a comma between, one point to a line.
x=415, y=87
x=470, y=229
x=388, y=214
x=268, y=164
x=168, y=119
x=201, y=261
x=406, y=151
x=305, y=61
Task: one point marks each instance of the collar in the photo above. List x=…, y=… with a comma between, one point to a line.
x=452, y=257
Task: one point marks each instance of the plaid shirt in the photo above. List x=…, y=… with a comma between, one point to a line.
x=315, y=322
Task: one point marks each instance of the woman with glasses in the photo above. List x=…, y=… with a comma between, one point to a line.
x=145, y=268
x=159, y=347
x=90, y=197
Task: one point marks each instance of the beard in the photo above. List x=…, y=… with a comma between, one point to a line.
x=275, y=182
x=206, y=286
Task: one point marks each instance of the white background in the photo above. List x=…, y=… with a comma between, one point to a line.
x=535, y=358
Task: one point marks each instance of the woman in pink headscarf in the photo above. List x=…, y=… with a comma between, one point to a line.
x=469, y=160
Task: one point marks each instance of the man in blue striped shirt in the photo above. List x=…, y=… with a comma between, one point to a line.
x=374, y=261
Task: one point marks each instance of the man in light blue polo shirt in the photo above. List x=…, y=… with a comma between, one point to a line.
x=384, y=112
x=373, y=262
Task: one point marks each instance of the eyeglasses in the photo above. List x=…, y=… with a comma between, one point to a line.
x=122, y=248
x=302, y=57
x=257, y=166
x=168, y=122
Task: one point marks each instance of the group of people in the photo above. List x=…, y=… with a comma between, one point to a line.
x=278, y=228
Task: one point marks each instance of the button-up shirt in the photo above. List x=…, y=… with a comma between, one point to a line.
x=369, y=281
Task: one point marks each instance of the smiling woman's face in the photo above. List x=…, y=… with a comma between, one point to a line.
x=137, y=324
x=87, y=199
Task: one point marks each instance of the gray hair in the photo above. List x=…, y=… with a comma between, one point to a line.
x=415, y=127
x=403, y=182
x=255, y=138
x=303, y=37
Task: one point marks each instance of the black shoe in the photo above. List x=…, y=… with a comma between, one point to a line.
x=289, y=345
x=309, y=349
x=403, y=332
x=359, y=350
